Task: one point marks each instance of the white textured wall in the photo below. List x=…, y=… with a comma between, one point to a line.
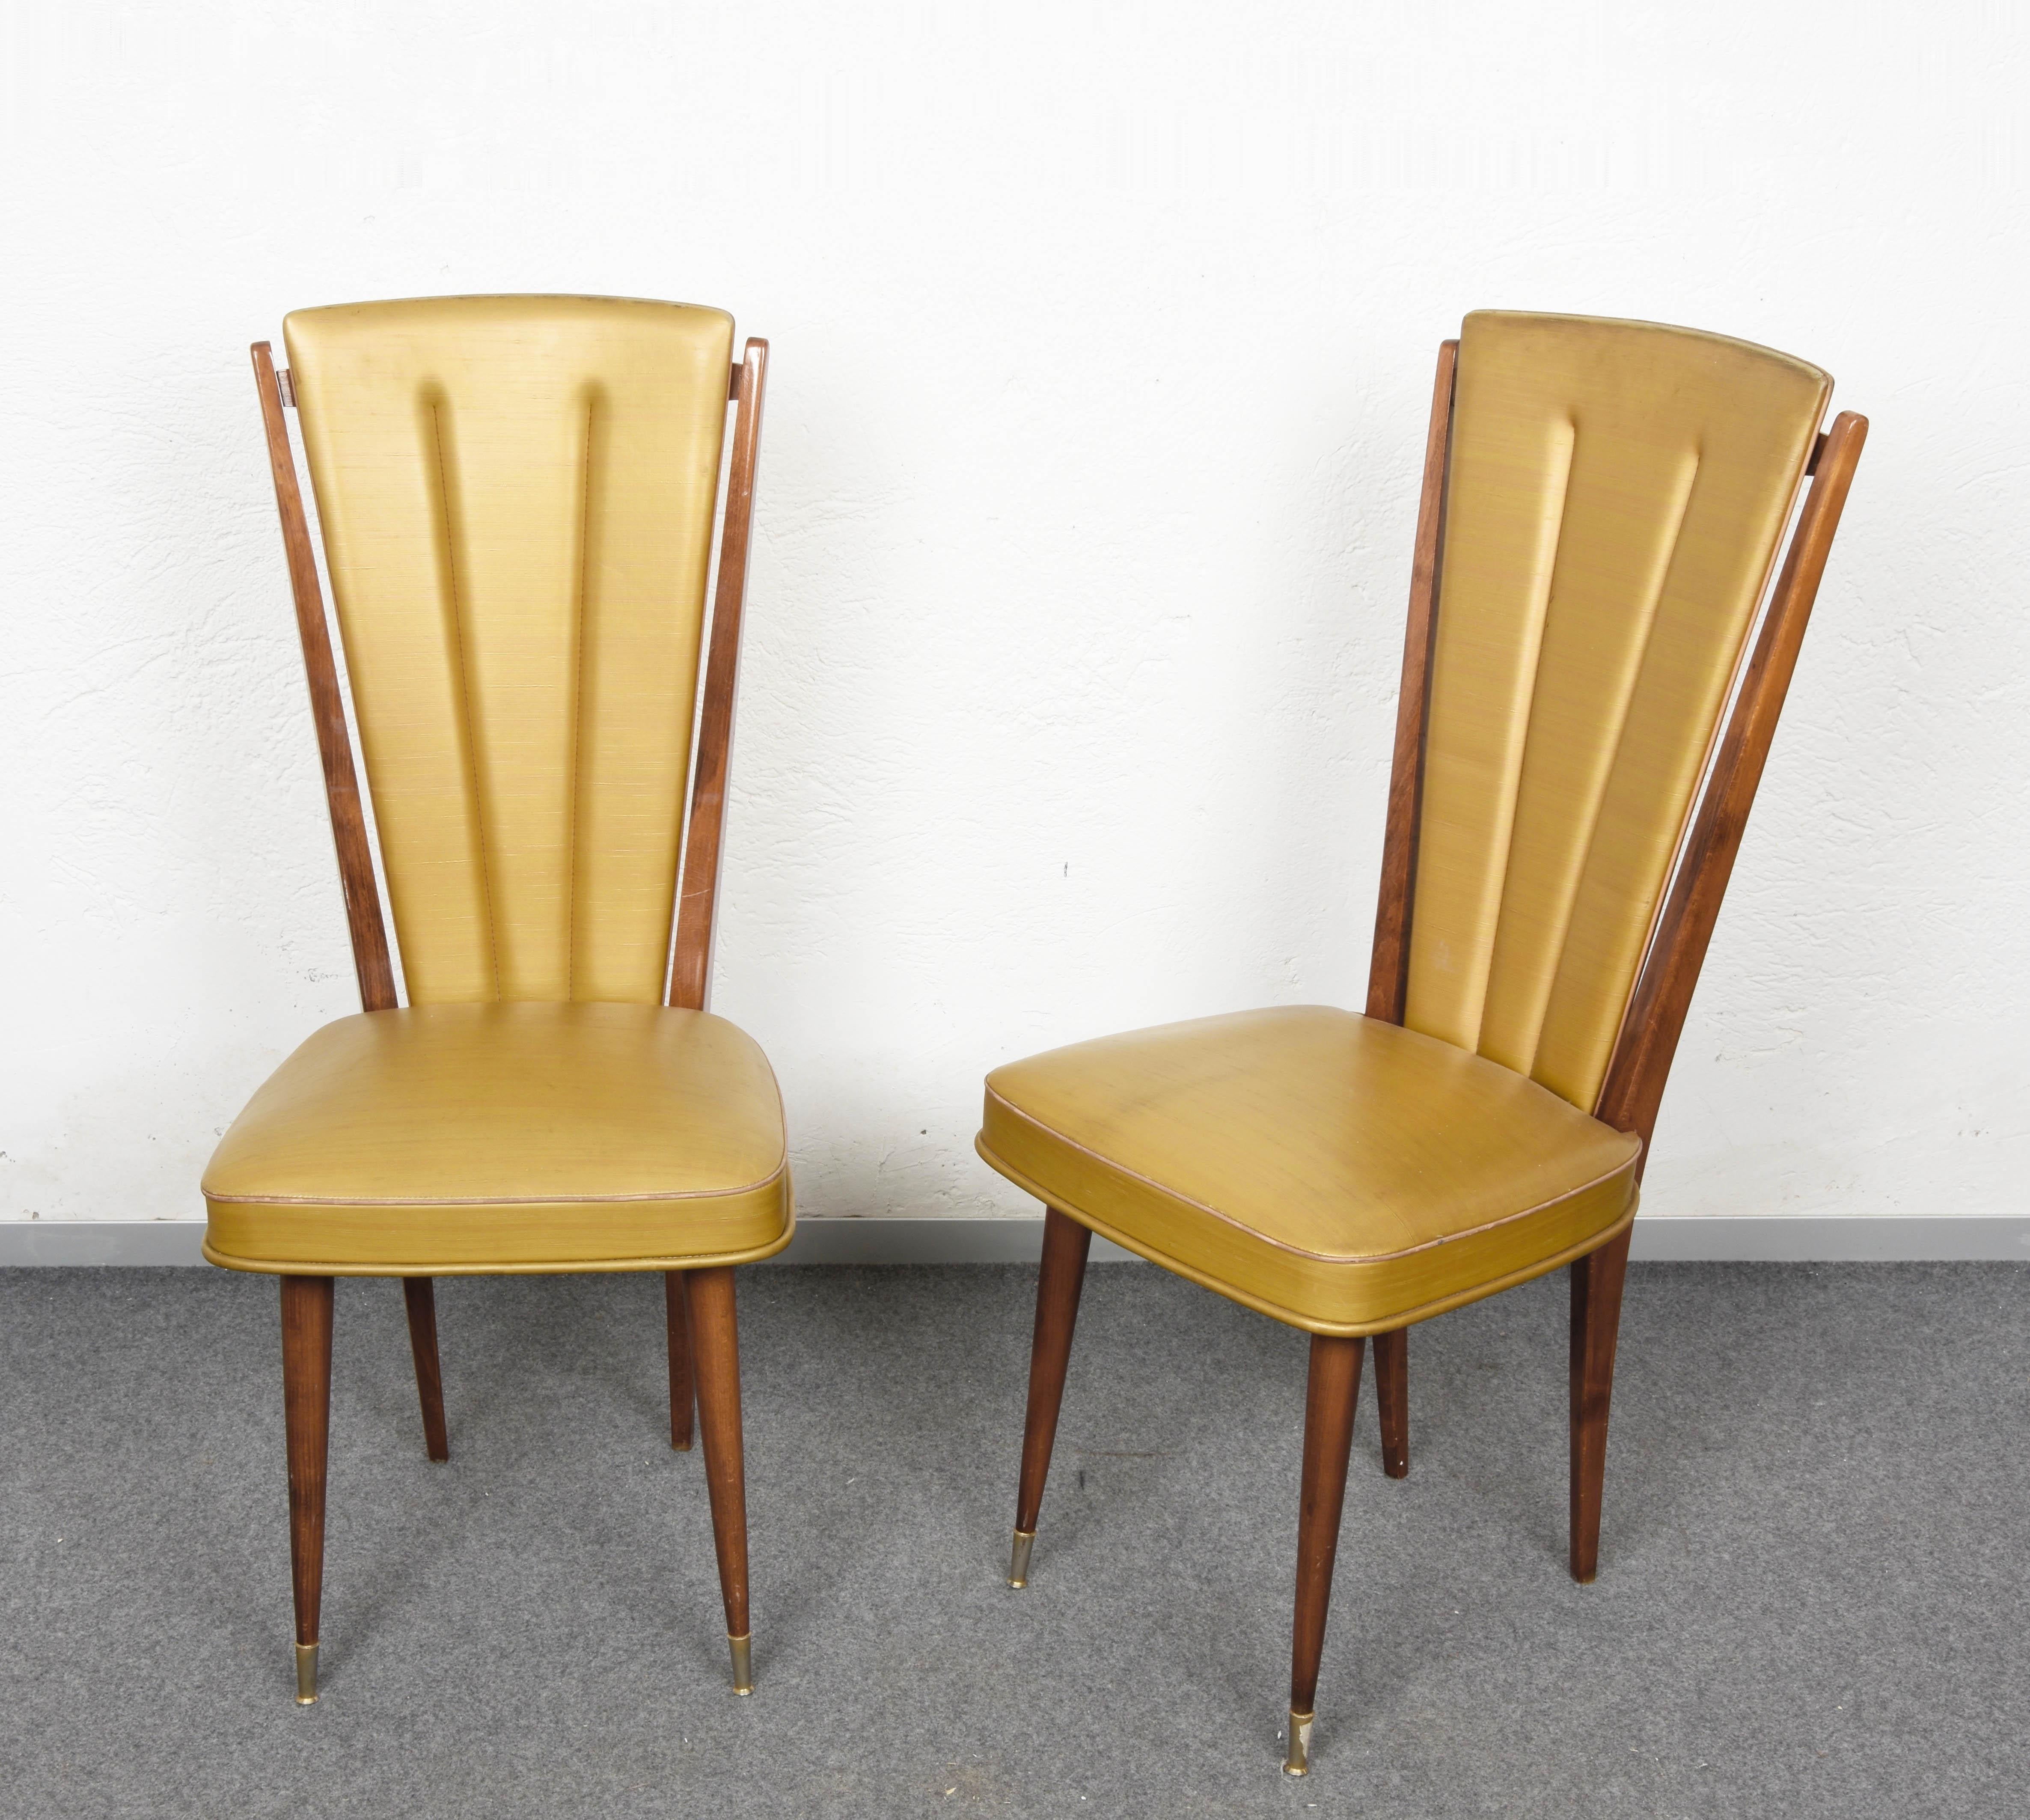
x=1102, y=341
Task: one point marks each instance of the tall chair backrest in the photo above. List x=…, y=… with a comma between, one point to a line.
x=518, y=496
x=1612, y=495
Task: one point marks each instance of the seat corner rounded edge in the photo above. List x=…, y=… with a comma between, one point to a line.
x=995, y=1105
x=760, y=1250
x=221, y=1183
x=990, y=1085
x=788, y=1189
x=213, y=1254
x=782, y=1242
x=984, y=1150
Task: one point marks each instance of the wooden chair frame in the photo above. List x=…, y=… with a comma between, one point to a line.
x=1629, y=1097
x=700, y=1325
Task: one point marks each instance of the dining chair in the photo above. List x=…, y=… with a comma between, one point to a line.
x=517, y=496
x=1602, y=503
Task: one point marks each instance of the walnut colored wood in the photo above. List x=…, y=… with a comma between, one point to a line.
x=1648, y=1040
x=691, y=971
x=1597, y=1282
x=676, y=1323
x=1388, y=973
x=306, y=1423
x=703, y=1358
x=1329, y=1399
x=715, y=1343
x=1631, y=1089
x=1392, y=1393
x=1058, y=1283
x=349, y=822
x=420, y=1295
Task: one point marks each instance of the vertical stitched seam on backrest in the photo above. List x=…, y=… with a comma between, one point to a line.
x=1529, y=714
x=577, y=708
x=1653, y=613
x=1761, y=599
x=465, y=694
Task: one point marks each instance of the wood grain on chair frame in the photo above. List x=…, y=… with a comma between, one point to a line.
x=1632, y=1056
x=701, y=1329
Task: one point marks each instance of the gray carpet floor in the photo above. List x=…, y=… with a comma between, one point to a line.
x=1811, y=1602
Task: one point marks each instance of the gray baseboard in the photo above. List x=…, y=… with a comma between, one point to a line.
x=120, y=1241
x=1658, y=1238
x=930, y=1241
x=1811, y=1238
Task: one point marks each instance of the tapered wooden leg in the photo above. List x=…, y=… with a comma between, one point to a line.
x=1330, y=1398
x=306, y=1422
x=715, y=1346
x=683, y=1393
x=1596, y=1281
x=1066, y=1243
x=421, y=1299
x=1391, y=1393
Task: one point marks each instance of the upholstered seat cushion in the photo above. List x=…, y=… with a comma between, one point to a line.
x=1341, y=1174
x=448, y=1138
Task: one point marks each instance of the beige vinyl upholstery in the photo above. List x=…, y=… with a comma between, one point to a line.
x=517, y=497
x=1340, y=1174
x=1615, y=494
x=445, y=1139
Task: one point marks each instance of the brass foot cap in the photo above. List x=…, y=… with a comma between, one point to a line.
x=743, y=1662
x=1298, y=1761
x=1018, y=1559
x=306, y=1674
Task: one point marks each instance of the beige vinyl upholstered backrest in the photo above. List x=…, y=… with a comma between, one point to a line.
x=517, y=496
x=1614, y=496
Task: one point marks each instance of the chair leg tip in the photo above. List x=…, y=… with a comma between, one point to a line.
x=307, y=1687
x=1297, y=1760
x=743, y=1662
x=1018, y=1559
